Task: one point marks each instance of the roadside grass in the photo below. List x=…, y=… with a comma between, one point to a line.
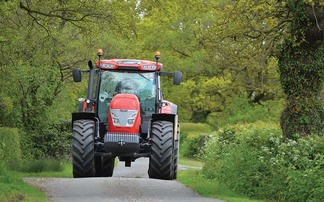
x=194, y=179
x=64, y=171
x=209, y=188
x=13, y=188
x=190, y=161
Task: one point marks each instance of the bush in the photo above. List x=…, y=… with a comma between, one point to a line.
x=10, y=150
x=52, y=142
x=191, y=146
x=255, y=160
x=192, y=138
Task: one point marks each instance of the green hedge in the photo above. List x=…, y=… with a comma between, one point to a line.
x=192, y=138
x=10, y=148
x=53, y=142
x=255, y=160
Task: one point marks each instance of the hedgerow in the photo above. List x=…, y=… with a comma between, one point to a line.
x=10, y=149
x=257, y=161
x=192, y=138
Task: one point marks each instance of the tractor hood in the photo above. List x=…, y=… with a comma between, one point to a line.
x=124, y=114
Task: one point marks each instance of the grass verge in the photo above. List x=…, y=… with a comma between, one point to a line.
x=209, y=188
x=190, y=162
x=13, y=188
x=66, y=172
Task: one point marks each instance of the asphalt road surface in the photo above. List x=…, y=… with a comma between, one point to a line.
x=127, y=184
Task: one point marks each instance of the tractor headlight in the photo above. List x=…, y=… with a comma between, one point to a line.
x=124, y=118
x=131, y=120
x=115, y=119
x=107, y=66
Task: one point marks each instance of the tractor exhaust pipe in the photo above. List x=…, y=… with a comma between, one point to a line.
x=91, y=76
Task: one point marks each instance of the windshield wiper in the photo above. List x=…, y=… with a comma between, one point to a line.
x=144, y=76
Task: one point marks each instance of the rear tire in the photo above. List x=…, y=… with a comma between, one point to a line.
x=83, y=148
x=161, y=164
x=104, y=166
x=108, y=164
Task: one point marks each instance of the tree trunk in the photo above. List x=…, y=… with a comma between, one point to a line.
x=301, y=67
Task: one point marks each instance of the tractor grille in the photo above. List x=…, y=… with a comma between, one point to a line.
x=121, y=143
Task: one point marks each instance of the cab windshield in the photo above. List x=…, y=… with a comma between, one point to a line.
x=141, y=84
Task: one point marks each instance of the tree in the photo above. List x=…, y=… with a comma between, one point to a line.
x=38, y=68
x=175, y=29
x=61, y=35
x=223, y=47
x=246, y=34
x=38, y=48
x=301, y=66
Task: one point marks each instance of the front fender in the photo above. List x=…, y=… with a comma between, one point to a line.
x=168, y=117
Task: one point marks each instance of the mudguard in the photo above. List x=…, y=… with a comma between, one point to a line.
x=83, y=115
x=168, y=117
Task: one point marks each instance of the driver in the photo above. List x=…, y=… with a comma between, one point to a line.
x=126, y=87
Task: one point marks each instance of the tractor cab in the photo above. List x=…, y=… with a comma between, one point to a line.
x=141, y=84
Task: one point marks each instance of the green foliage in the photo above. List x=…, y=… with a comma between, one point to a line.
x=13, y=188
x=67, y=33
x=209, y=188
x=301, y=68
x=302, y=71
x=218, y=53
x=304, y=116
x=240, y=41
x=203, y=96
x=192, y=138
x=192, y=144
x=223, y=47
x=240, y=110
x=194, y=128
x=10, y=148
x=58, y=172
x=255, y=159
x=302, y=77
x=53, y=141
x=191, y=162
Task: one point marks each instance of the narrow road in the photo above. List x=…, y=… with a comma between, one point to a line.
x=127, y=184
x=138, y=170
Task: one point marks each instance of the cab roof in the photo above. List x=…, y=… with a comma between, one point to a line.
x=129, y=64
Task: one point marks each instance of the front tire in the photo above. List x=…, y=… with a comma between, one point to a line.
x=176, y=153
x=83, y=148
x=161, y=164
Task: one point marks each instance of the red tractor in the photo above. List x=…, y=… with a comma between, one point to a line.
x=125, y=116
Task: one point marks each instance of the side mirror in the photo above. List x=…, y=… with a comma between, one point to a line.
x=177, y=77
x=76, y=74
